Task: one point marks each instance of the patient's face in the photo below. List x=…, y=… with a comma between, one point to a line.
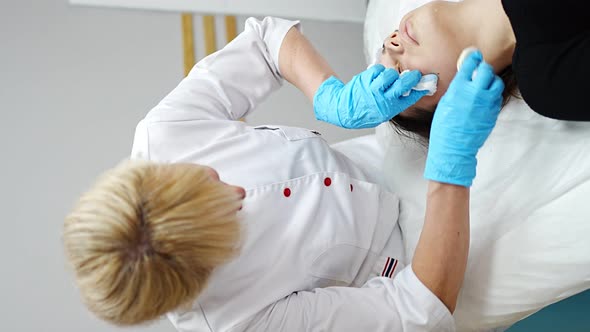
x=424, y=43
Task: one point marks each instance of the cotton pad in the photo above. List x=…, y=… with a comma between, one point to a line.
x=427, y=83
x=464, y=55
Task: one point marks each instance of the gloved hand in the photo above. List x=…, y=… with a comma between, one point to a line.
x=369, y=99
x=463, y=120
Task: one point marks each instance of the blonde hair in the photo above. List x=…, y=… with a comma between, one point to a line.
x=145, y=239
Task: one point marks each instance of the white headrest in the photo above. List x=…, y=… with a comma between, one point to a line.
x=381, y=19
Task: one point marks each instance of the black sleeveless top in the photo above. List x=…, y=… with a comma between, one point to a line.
x=552, y=57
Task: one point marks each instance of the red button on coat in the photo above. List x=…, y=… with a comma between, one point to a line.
x=327, y=182
x=287, y=192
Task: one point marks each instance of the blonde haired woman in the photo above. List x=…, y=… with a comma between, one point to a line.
x=131, y=237
x=310, y=244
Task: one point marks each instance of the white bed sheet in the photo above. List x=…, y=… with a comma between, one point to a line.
x=530, y=215
x=530, y=205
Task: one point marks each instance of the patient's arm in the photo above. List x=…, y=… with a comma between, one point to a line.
x=441, y=255
x=301, y=65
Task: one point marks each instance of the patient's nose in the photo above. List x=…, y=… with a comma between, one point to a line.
x=393, y=43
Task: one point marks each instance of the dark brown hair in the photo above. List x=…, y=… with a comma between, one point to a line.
x=416, y=121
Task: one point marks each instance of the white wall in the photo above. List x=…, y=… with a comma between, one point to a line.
x=325, y=10
x=73, y=84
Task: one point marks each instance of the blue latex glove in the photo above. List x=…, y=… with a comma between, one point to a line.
x=463, y=120
x=369, y=99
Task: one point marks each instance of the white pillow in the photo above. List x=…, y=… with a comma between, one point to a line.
x=381, y=19
x=530, y=215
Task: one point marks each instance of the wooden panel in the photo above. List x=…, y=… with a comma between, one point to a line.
x=209, y=34
x=231, y=28
x=188, y=44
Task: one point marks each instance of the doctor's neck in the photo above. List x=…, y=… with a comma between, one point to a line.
x=484, y=24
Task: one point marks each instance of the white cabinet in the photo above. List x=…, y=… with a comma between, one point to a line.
x=324, y=10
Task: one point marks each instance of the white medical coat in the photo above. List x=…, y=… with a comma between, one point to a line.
x=320, y=243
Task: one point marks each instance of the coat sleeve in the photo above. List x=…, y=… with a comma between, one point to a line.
x=230, y=83
x=382, y=304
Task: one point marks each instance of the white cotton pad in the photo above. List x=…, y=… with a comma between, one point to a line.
x=427, y=83
x=464, y=55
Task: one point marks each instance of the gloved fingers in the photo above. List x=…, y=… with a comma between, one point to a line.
x=385, y=80
x=497, y=86
x=375, y=70
x=413, y=98
x=405, y=83
x=485, y=76
x=469, y=65
x=408, y=100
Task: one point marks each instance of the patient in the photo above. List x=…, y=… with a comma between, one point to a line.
x=530, y=209
x=431, y=38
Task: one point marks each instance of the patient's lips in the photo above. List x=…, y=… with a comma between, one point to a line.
x=408, y=33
